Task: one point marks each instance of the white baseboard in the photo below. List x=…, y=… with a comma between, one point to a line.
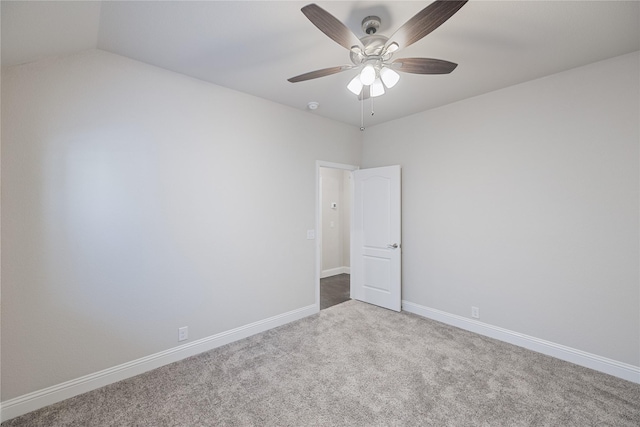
x=335, y=271
x=579, y=357
x=41, y=398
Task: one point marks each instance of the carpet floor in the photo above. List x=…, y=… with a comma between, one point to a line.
x=357, y=365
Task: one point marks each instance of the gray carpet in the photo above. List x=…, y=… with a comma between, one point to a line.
x=357, y=365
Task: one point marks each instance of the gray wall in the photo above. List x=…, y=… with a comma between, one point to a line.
x=133, y=202
x=524, y=202
x=336, y=187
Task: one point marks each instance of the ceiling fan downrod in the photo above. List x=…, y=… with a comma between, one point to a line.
x=370, y=25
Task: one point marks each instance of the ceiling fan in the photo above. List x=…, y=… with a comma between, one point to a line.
x=373, y=53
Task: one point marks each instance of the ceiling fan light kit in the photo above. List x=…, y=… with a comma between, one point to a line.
x=377, y=88
x=368, y=75
x=377, y=77
x=389, y=77
x=355, y=85
x=372, y=54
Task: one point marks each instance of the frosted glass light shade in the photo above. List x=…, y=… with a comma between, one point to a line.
x=355, y=85
x=392, y=47
x=377, y=88
x=389, y=77
x=368, y=75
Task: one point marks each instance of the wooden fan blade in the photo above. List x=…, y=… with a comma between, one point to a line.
x=319, y=73
x=331, y=26
x=424, y=22
x=423, y=66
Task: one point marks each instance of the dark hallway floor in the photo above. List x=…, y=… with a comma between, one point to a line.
x=334, y=290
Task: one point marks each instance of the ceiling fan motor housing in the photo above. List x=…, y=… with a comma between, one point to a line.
x=370, y=24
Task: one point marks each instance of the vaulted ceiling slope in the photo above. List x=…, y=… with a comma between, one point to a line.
x=254, y=46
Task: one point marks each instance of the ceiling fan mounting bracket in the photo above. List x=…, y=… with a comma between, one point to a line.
x=371, y=24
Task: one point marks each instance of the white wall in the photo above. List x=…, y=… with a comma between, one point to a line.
x=136, y=201
x=335, y=222
x=524, y=203
x=345, y=218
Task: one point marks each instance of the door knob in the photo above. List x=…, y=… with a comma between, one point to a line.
x=394, y=246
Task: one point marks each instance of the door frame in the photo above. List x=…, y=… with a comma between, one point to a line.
x=331, y=165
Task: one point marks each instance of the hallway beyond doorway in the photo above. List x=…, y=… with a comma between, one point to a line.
x=334, y=290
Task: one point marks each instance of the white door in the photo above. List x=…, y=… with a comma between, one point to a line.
x=375, y=244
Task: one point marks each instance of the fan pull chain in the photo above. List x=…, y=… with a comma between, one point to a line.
x=372, y=112
x=362, y=115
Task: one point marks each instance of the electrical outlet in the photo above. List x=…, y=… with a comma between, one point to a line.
x=475, y=312
x=183, y=333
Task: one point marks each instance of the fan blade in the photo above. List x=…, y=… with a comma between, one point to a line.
x=319, y=73
x=423, y=66
x=331, y=26
x=424, y=22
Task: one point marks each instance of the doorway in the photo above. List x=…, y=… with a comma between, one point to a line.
x=334, y=290
x=333, y=225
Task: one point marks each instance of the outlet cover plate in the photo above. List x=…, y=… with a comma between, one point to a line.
x=183, y=333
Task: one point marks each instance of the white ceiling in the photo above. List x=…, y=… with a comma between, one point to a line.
x=254, y=46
